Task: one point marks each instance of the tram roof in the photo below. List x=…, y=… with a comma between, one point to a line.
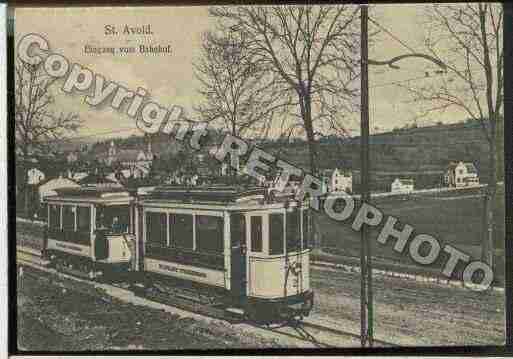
x=91, y=194
x=225, y=194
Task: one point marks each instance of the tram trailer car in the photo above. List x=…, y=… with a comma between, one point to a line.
x=90, y=231
x=251, y=248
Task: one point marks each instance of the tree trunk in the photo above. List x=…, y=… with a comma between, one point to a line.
x=26, y=202
x=492, y=120
x=306, y=113
x=484, y=230
x=24, y=189
x=488, y=247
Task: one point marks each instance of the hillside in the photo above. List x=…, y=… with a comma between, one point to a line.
x=421, y=153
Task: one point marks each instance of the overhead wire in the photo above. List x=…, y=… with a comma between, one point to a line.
x=396, y=38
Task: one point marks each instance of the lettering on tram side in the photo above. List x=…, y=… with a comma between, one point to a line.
x=169, y=268
x=68, y=246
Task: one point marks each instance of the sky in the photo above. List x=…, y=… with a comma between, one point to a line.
x=169, y=78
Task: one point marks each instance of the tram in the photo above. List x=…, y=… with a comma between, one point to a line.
x=90, y=231
x=254, y=248
x=241, y=247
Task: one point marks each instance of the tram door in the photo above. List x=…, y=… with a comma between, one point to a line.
x=238, y=255
x=101, y=246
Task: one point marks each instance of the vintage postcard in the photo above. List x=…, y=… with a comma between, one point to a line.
x=258, y=177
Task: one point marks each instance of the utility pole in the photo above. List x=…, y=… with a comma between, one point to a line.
x=366, y=298
x=366, y=301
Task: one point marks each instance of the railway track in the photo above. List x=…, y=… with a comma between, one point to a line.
x=319, y=335
x=311, y=325
x=304, y=331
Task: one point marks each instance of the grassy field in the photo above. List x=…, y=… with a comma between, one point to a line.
x=452, y=219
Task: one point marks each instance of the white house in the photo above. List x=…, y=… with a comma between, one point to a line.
x=35, y=176
x=48, y=187
x=402, y=185
x=224, y=169
x=136, y=171
x=126, y=173
x=77, y=176
x=337, y=181
x=461, y=174
x=113, y=176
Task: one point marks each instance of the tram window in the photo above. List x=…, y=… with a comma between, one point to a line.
x=114, y=218
x=276, y=233
x=293, y=231
x=68, y=218
x=117, y=218
x=209, y=234
x=156, y=229
x=306, y=229
x=238, y=229
x=183, y=233
x=171, y=228
x=256, y=234
x=54, y=220
x=100, y=217
x=83, y=219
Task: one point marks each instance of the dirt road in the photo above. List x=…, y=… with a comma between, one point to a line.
x=408, y=312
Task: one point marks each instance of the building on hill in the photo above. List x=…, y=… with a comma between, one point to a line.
x=35, y=176
x=163, y=145
x=402, y=185
x=129, y=157
x=134, y=162
x=116, y=177
x=276, y=182
x=461, y=174
x=76, y=175
x=224, y=169
x=336, y=180
x=77, y=155
x=96, y=155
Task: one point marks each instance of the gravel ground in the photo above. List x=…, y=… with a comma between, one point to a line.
x=51, y=318
x=410, y=313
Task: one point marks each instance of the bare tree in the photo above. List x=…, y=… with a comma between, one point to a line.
x=235, y=92
x=37, y=128
x=468, y=38
x=313, y=50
